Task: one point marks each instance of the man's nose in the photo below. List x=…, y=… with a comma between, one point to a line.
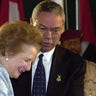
x=48, y=33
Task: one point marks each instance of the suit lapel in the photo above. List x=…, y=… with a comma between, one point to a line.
x=57, y=71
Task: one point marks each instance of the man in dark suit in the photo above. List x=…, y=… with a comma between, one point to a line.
x=64, y=70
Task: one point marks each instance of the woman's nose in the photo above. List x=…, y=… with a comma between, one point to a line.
x=28, y=66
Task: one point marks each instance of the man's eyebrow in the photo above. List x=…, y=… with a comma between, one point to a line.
x=42, y=25
x=51, y=27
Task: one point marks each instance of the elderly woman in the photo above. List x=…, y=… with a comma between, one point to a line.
x=19, y=45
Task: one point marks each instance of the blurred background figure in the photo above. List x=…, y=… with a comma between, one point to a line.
x=71, y=39
x=19, y=45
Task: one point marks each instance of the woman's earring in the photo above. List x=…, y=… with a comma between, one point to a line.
x=7, y=59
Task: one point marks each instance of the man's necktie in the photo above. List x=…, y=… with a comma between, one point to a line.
x=39, y=80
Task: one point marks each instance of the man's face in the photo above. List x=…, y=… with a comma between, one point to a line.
x=73, y=45
x=51, y=26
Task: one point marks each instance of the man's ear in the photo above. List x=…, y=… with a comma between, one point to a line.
x=31, y=21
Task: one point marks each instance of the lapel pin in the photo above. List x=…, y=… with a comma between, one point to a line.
x=58, y=78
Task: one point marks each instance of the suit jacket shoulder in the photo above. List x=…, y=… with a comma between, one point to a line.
x=67, y=74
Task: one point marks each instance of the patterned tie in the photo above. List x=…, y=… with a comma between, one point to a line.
x=39, y=81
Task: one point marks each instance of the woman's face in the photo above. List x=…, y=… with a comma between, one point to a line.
x=21, y=62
